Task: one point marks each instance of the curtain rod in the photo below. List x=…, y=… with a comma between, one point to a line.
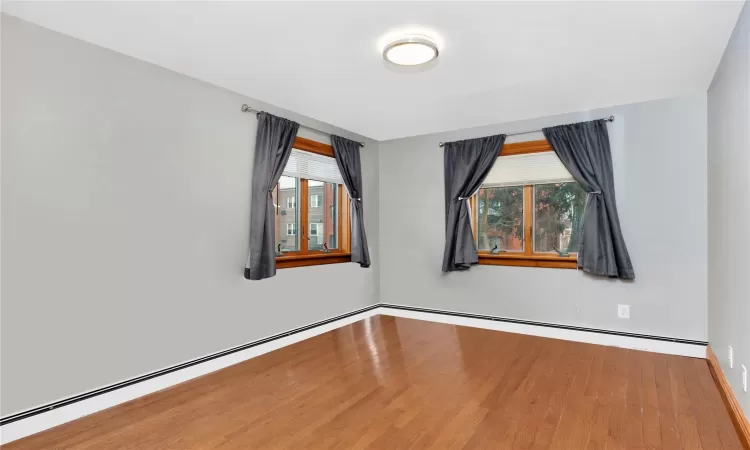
x=246, y=108
x=608, y=119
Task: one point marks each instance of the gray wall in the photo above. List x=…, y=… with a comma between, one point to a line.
x=125, y=214
x=659, y=155
x=729, y=207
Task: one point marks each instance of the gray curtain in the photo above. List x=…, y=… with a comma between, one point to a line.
x=273, y=145
x=347, y=158
x=466, y=165
x=584, y=150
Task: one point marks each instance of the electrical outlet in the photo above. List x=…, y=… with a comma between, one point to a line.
x=744, y=378
x=623, y=311
x=730, y=356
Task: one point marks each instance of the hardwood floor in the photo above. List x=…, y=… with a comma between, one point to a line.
x=391, y=383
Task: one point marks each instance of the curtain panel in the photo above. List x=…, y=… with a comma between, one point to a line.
x=466, y=165
x=273, y=145
x=584, y=150
x=346, y=153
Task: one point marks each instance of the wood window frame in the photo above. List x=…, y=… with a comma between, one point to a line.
x=305, y=257
x=527, y=258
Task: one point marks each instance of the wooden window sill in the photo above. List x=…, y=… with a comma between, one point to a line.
x=312, y=259
x=519, y=259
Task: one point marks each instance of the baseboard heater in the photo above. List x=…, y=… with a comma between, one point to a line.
x=87, y=395
x=544, y=324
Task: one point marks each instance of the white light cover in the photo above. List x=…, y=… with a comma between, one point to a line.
x=411, y=51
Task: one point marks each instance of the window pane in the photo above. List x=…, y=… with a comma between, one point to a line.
x=500, y=218
x=558, y=210
x=285, y=203
x=322, y=215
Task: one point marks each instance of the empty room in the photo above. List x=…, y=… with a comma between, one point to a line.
x=375, y=225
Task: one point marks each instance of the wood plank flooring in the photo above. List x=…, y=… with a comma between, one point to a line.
x=392, y=383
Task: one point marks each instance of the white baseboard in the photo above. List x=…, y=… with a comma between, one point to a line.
x=54, y=417
x=58, y=416
x=612, y=340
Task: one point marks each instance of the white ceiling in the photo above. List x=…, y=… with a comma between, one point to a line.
x=499, y=61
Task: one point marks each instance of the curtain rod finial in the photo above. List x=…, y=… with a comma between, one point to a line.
x=246, y=108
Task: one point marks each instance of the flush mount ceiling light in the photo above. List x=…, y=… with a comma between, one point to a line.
x=411, y=50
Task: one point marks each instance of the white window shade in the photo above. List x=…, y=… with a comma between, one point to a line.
x=312, y=166
x=531, y=168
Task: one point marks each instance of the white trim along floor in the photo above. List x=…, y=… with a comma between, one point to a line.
x=57, y=416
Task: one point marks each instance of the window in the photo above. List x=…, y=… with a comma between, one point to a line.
x=500, y=221
x=323, y=227
x=316, y=236
x=558, y=210
x=317, y=205
x=314, y=229
x=528, y=211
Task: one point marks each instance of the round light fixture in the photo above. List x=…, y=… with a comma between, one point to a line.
x=411, y=50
